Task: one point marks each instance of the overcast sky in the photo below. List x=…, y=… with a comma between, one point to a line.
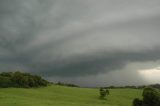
x=86, y=42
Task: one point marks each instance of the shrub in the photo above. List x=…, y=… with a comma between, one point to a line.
x=137, y=102
x=103, y=92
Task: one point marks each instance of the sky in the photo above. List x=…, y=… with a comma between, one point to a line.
x=85, y=42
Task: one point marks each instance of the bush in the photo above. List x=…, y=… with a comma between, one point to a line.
x=137, y=102
x=103, y=92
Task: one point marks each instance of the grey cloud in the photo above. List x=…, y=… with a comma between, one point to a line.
x=97, y=63
x=77, y=38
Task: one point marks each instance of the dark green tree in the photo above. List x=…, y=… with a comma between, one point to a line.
x=151, y=97
x=103, y=92
x=5, y=82
x=23, y=80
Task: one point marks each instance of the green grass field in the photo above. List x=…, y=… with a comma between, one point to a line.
x=65, y=96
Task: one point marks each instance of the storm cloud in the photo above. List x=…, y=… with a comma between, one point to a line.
x=73, y=39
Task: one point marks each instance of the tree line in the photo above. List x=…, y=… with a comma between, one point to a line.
x=134, y=87
x=21, y=80
x=66, y=84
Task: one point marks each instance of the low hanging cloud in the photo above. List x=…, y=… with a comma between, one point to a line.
x=77, y=38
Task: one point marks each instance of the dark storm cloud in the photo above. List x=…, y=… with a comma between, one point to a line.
x=92, y=65
x=77, y=38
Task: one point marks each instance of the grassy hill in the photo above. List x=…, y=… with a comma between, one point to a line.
x=65, y=96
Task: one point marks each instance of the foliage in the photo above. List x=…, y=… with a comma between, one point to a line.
x=103, y=92
x=151, y=97
x=137, y=102
x=18, y=79
x=5, y=82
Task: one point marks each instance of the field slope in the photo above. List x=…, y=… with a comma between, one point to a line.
x=65, y=96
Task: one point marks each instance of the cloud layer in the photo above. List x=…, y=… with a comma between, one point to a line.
x=78, y=38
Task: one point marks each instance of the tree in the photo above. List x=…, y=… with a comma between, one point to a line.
x=103, y=92
x=5, y=82
x=151, y=97
x=18, y=79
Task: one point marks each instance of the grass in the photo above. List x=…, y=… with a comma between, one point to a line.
x=65, y=96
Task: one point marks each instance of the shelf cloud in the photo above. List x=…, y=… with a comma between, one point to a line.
x=72, y=39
